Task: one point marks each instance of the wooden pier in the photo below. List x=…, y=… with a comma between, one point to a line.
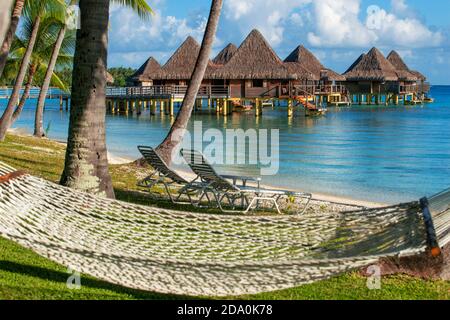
x=226, y=99
x=52, y=93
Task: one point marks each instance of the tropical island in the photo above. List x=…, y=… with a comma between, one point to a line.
x=106, y=198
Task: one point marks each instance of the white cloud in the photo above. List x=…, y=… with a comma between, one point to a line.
x=407, y=32
x=267, y=16
x=399, y=6
x=337, y=24
x=131, y=39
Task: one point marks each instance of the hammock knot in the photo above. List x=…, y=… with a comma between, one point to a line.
x=10, y=176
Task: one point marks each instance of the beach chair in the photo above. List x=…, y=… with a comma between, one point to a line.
x=226, y=187
x=168, y=178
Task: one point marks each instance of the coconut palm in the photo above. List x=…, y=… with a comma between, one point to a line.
x=86, y=164
x=173, y=139
x=139, y=6
x=40, y=56
x=35, y=9
x=14, y=22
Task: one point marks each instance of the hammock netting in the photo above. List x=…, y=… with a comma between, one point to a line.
x=196, y=254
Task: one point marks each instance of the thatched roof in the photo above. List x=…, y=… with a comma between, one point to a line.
x=109, y=78
x=304, y=58
x=181, y=64
x=254, y=59
x=354, y=64
x=419, y=75
x=402, y=68
x=147, y=70
x=372, y=67
x=297, y=71
x=225, y=55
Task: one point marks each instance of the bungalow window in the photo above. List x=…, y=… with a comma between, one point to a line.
x=257, y=83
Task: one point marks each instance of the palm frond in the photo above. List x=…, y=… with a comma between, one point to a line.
x=141, y=7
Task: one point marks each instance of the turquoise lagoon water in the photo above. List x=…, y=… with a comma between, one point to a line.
x=382, y=154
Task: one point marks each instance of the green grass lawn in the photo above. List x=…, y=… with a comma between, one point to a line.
x=26, y=275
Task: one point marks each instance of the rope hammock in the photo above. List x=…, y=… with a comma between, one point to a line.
x=185, y=253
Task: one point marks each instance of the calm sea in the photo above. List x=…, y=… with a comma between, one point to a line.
x=383, y=154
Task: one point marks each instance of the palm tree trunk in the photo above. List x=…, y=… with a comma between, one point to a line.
x=173, y=139
x=26, y=93
x=86, y=164
x=5, y=121
x=38, y=119
x=6, y=45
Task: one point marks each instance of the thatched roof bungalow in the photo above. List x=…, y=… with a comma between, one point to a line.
x=372, y=73
x=145, y=74
x=254, y=60
x=305, y=59
x=397, y=61
x=372, y=66
x=109, y=78
x=256, y=70
x=375, y=74
x=181, y=64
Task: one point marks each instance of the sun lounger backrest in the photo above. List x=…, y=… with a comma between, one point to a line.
x=202, y=168
x=159, y=165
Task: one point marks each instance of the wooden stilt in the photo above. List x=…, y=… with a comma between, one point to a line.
x=171, y=112
x=152, y=107
x=290, y=109
x=218, y=106
x=258, y=107
x=224, y=107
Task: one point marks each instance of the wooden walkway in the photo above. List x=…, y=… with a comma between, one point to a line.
x=53, y=93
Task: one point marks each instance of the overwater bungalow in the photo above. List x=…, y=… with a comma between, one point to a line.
x=144, y=75
x=253, y=74
x=321, y=81
x=254, y=71
x=416, y=83
x=373, y=79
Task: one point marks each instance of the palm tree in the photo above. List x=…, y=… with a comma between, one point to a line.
x=35, y=9
x=6, y=45
x=86, y=164
x=173, y=139
x=139, y=6
x=41, y=54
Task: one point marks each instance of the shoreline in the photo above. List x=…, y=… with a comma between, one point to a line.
x=112, y=158
x=121, y=160
x=339, y=200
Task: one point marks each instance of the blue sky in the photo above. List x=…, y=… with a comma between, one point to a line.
x=337, y=31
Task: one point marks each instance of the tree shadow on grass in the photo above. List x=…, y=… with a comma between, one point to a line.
x=86, y=281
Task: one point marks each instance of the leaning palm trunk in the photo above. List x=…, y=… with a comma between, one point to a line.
x=38, y=120
x=173, y=139
x=6, y=45
x=25, y=94
x=5, y=121
x=86, y=164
